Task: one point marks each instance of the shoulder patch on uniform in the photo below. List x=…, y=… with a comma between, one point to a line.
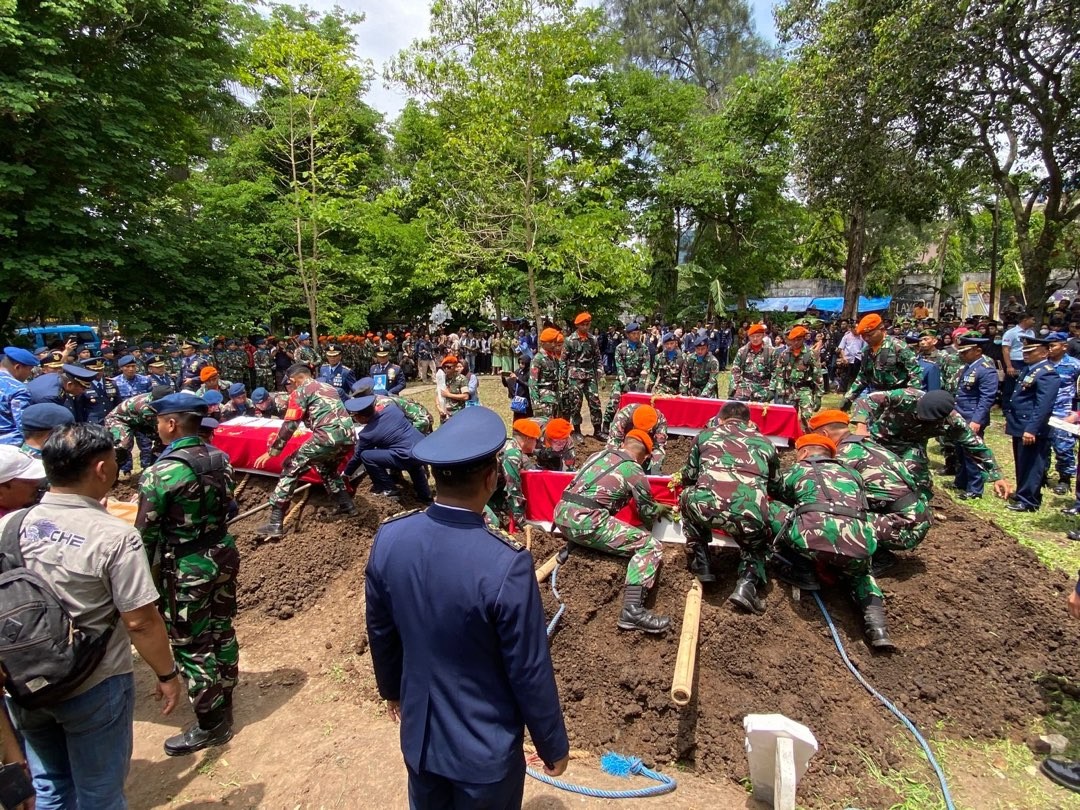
x=400, y=515
x=505, y=538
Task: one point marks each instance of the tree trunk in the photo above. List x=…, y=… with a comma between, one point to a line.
x=854, y=270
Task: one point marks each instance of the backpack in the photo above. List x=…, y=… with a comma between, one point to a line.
x=44, y=654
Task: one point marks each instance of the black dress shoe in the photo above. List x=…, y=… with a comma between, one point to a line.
x=1066, y=773
x=1071, y=510
x=196, y=738
x=969, y=496
x=1074, y=534
x=1016, y=506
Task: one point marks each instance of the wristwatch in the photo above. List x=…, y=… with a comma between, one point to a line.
x=166, y=678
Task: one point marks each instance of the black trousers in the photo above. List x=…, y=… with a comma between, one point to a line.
x=428, y=791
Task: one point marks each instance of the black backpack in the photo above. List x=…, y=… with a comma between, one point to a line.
x=45, y=655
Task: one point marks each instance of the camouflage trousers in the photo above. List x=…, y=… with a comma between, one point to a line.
x=325, y=458
x=743, y=515
x=903, y=531
x=807, y=402
x=1064, y=444
x=126, y=437
x=599, y=530
x=747, y=391
x=855, y=570
x=264, y=378
x=589, y=391
x=918, y=463
x=618, y=388
x=199, y=609
x=547, y=406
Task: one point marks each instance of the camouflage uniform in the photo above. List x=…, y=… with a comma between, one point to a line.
x=665, y=374
x=623, y=423
x=698, y=378
x=585, y=513
x=508, y=502
x=182, y=520
x=319, y=406
x=264, y=368
x=235, y=365
x=458, y=384
x=229, y=410
x=583, y=363
x=728, y=478
x=892, y=420
x=951, y=365
x=545, y=391
x=366, y=352
x=548, y=458
x=279, y=403
x=901, y=510
x=827, y=521
x=751, y=373
x=798, y=380
x=892, y=365
x=631, y=374
x=133, y=417
x=307, y=356
x=416, y=413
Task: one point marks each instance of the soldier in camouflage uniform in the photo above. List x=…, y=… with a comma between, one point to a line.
x=211, y=381
x=238, y=403
x=752, y=369
x=319, y=407
x=271, y=404
x=416, y=413
x=185, y=498
x=798, y=378
x=456, y=392
x=234, y=362
x=826, y=523
x=901, y=511
x=264, y=365
x=665, y=374
x=903, y=420
x=700, y=372
x=948, y=361
x=583, y=369
x=555, y=451
x=508, y=501
x=728, y=478
x=545, y=391
x=887, y=363
x=133, y=418
x=305, y=353
x=631, y=371
x=586, y=515
x=643, y=417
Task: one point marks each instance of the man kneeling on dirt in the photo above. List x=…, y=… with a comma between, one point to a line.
x=643, y=417
x=729, y=476
x=901, y=510
x=585, y=515
x=828, y=525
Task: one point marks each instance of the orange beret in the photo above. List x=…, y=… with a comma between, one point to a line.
x=207, y=372
x=756, y=329
x=830, y=417
x=582, y=318
x=527, y=427
x=560, y=338
x=798, y=332
x=549, y=335
x=868, y=323
x=645, y=417
x=816, y=439
x=389, y=335
x=642, y=437
x=449, y=360
x=558, y=429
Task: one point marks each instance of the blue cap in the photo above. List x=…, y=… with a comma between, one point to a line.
x=701, y=341
x=304, y=336
x=472, y=434
x=633, y=327
x=79, y=373
x=1058, y=337
x=22, y=356
x=46, y=416
x=126, y=360
x=96, y=364
x=213, y=397
x=259, y=394
x=155, y=360
x=179, y=403
x=237, y=390
x=357, y=404
x=668, y=336
x=209, y=423
x=363, y=385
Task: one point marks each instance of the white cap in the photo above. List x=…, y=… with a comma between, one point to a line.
x=14, y=463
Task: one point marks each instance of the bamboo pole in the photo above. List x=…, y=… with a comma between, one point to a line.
x=528, y=537
x=262, y=506
x=544, y=571
x=682, y=684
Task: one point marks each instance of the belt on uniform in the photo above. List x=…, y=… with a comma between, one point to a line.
x=835, y=510
x=581, y=500
x=902, y=503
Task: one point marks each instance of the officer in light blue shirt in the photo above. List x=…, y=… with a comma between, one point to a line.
x=16, y=366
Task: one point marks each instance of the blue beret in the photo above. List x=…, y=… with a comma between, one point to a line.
x=237, y=389
x=701, y=341
x=633, y=327
x=303, y=336
x=471, y=434
x=668, y=336
x=213, y=397
x=259, y=394
x=179, y=403
x=126, y=360
x=260, y=341
x=46, y=416
x=146, y=345
x=22, y=356
x=209, y=423
x=357, y=404
x=1057, y=337
x=79, y=373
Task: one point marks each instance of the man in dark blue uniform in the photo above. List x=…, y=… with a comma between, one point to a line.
x=335, y=373
x=975, y=395
x=102, y=394
x=157, y=371
x=384, y=446
x=1027, y=420
x=388, y=377
x=66, y=387
x=457, y=636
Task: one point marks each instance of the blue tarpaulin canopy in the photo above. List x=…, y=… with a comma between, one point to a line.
x=799, y=304
x=837, y=304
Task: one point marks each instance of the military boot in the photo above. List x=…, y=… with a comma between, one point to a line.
x=796, y=571
x=634, y=616
x=345, y=504
x=577, y=435
x=697, y=560
x=1063, y=486
x=883, y=560
x=273, y=528
x=745, y=594
x=876, y=631
x=210, y=729
x=228, y=706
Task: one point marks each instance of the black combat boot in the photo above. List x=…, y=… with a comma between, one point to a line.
x=796, y=571
x=272, y=529
x=745, y=594
x=345, y=504
x=577, y=435
x=883, y=560
x=227, y=706
x=634, y=616
x=697, y=560
x=213, y=728
x=1066, y=773
x=876, y=631
x=1063, y=486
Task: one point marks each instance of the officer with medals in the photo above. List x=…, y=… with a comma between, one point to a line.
x=975, y=395
x=1027, y=421
x=457, y=633
x=101, y=395
x=336, y=373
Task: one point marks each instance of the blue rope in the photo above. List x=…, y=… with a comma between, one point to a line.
x=562, y=605
x=885, y=702
x=617, y=765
